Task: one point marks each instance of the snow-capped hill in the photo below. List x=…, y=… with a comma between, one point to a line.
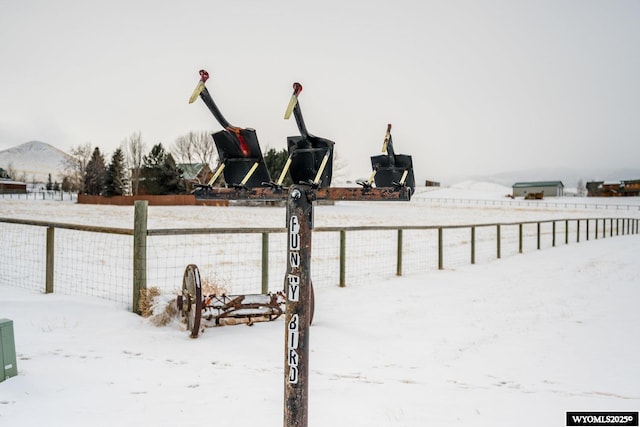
x=33, y=161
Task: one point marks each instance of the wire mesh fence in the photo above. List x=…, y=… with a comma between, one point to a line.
x=22, y=255
x=99, y=262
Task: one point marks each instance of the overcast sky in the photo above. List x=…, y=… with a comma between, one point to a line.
x=470, y=86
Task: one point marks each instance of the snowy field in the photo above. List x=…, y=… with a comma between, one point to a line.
x=516, y=341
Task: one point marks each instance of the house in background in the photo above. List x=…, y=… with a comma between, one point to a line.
x=631, y=187
x=195, y=173
x=625, y=188
x=548, y=188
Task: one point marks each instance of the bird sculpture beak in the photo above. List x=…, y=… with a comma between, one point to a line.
x=204, y=76
x=297, y=88
x=386, y=139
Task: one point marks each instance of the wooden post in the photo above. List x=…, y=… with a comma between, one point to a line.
x=440, y=261
x=520, y=238
x=610, y=227
x=343, y=257
x=473, y=245
x=298, y=291
x=578, y=231
x=48, y=287
x=265, y=263
x=498, y=248
x=139, y=252
x=538, y=233
x=553, y=231
x=399, y=254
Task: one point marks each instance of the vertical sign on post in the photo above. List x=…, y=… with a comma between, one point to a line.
x=297, y=287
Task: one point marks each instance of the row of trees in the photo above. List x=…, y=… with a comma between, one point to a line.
x=130, y=171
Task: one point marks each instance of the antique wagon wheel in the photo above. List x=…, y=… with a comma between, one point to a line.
x=192, y=299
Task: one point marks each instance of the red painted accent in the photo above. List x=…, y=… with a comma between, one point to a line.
x=243, y=144
x=204, y=76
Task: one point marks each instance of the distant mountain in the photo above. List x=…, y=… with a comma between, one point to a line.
x=34, y=161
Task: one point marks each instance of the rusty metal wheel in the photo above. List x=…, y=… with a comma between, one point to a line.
x=192, y=299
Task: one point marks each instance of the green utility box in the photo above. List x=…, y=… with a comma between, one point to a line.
x=8, y=365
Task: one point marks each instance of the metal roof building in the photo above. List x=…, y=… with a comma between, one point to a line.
x=548, y=188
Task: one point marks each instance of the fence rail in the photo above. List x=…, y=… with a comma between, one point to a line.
x=115, y=263
x=563, y=203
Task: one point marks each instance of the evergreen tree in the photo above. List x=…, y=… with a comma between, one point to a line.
x=95, y=174
x=171, y=180
x=49, y=185
x=160, y=173
x=66, y=184
x=151, y=170
x=275, y=161
x=116, y=182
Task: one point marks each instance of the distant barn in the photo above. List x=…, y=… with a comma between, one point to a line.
x=8, y=186
x=547, y=188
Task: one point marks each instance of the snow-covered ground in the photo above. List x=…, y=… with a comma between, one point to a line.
x=517, y=341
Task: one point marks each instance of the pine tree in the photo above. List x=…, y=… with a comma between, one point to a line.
x=151, y=170
x=275, y=161
x=116, y=181
x=171, y=181
x=49, y=185
x=160, y=173
x=95, y=174
x=66, y=184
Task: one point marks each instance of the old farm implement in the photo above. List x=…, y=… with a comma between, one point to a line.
x=202, y=310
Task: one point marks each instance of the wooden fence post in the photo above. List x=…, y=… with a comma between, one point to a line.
x=48, y=287
x=473, y=245
x=587, y=229
x=265, y=263
x=343, y=257
x=440, y=261
x=520, y=238
x=610, y=227
x=399, y=254
x=139, y=252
